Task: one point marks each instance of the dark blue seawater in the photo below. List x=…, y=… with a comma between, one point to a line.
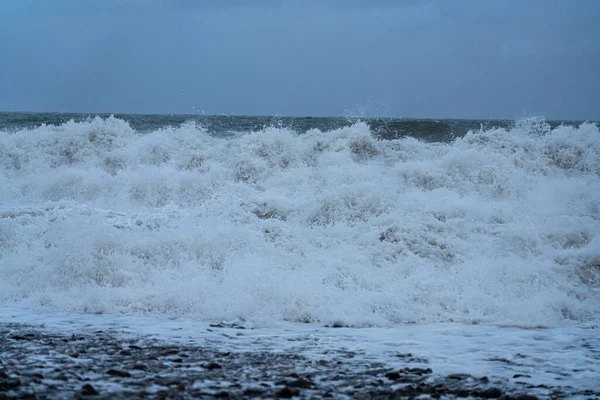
x=384, y=128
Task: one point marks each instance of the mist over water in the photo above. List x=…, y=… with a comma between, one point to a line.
x=496, y=226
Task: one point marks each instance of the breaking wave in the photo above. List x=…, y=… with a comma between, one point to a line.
x=501, y=226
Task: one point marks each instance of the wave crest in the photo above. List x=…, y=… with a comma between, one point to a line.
x=498, y=226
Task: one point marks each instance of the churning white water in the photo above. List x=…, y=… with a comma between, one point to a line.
x=498, y=227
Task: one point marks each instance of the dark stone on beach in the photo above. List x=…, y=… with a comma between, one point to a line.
x=491, y=393
x=523, y=397
x=300, y=383
x=417, y=371
x=253, y=392
x=393, y=376
x=258, y=374
x=442, y=390
x=89, y=390
x=408, y=374
x=34, y=375
x=212, y=365
x=26, y=337
x=285, y=393
x=120, y=374
x=521, y=376
x=9, y=384
x=27, y=396
x=458, y=377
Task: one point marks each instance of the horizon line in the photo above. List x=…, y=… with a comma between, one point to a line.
x=296, y=116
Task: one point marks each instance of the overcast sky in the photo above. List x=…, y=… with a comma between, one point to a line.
x=414, y=58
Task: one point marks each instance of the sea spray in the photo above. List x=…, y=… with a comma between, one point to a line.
x=499, y=226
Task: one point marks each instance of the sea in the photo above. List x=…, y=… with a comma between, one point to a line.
x=466, y=242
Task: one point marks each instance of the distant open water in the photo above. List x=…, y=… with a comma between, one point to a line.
x=385, y=128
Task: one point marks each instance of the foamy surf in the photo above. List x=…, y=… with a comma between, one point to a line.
x=500, y=226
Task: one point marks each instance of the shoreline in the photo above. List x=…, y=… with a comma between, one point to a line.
x=98, y=364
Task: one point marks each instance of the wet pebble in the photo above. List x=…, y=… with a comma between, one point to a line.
x=212, y=365
x=285, y=393
x=393, y=376
x=300, y=383
x=253, y=392
x=458, y=377
x=61, y=370
x=8, y=384
x=118, y=373
x=491, y=393
x=88, y=390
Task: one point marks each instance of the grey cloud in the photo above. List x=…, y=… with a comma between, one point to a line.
x=463, y=58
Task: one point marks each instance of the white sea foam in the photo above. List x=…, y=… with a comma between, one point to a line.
x=498, y=227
